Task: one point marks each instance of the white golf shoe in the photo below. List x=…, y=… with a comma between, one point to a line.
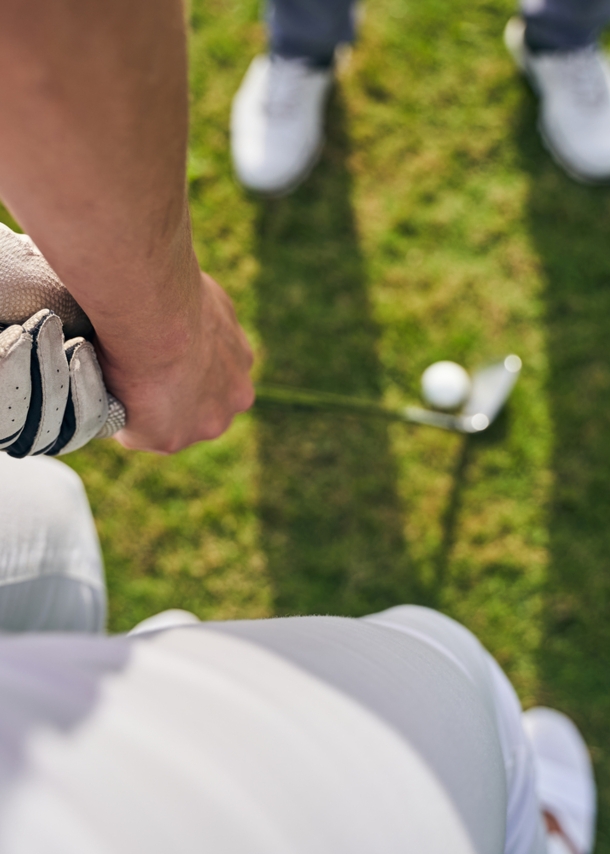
x=564, y=780
x=574, y=91
x=277, y=123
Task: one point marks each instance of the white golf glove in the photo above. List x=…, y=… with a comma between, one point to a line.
x=52, y=394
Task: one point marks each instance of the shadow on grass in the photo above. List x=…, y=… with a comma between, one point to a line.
x=471, y=445
x=332, y=526
x=449, y=521
x=570, y=226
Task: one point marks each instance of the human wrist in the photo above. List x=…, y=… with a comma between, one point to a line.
x=149, y=334
x=157, y=337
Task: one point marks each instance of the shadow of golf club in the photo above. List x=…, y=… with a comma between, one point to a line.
x=332, y=524
x=569, y=225
x=470, y=446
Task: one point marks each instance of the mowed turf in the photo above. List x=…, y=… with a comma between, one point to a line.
x=435, y=226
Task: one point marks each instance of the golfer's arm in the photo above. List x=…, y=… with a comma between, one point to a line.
x=93, y=130
x=93, y=134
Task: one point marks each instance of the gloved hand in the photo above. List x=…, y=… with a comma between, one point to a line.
x=52, y=394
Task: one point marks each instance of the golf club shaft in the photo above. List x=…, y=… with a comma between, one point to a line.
x=286, y=397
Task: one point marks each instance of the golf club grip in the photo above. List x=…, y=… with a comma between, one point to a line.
x=117, y=418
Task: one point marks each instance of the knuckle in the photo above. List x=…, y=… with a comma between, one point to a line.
x=154, y=444
x=215, y=427
x=168, y=445
x=245, y=398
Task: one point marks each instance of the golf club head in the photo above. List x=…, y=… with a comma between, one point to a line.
x=491, y=388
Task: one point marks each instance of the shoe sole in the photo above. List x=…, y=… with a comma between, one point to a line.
x=585, y=180
x=294, y=183
x=520, y=61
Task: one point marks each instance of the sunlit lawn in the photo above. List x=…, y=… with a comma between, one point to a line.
x=434, y=227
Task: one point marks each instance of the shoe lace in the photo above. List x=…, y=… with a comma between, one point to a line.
x=285, y=79
x=584, y=75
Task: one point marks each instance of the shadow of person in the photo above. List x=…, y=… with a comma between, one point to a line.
x=332, y=525
x=570, y=228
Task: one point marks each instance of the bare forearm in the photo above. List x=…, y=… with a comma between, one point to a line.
x=92, y=153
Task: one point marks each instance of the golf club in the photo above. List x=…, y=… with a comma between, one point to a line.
x=489, y=391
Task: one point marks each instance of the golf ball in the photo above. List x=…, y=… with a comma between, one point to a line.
x=445, y=385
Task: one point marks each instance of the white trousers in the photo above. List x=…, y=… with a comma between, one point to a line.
x=51, y=570
x=392, y=733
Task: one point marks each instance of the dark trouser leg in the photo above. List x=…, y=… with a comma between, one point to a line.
x=564, y=24
x=310, y=28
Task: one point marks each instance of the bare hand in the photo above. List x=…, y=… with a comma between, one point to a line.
x=195, y=382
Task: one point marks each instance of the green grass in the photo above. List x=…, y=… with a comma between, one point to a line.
x=434, y=227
